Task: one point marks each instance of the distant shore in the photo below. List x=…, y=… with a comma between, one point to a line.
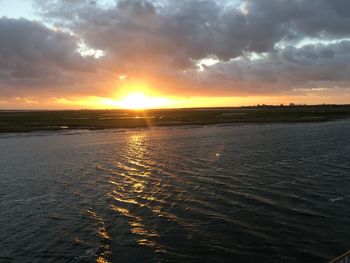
x=27, y=121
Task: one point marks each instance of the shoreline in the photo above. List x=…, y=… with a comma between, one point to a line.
x=24, y=122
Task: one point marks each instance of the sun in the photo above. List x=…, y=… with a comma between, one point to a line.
x=140, y=101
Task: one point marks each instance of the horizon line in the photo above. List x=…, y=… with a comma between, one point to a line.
x=189, y=108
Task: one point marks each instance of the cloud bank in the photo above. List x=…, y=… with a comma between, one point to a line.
x=258, y=47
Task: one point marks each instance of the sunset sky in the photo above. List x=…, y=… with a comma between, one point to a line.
x=73, y=54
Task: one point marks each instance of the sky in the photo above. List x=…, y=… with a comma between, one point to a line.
x=73, y=54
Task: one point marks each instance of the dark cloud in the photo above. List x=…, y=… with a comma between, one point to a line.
x=34, y=56
x=200, y=28
x=282, y=70
x=254, y=40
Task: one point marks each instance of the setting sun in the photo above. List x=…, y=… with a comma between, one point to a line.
x=139, y=100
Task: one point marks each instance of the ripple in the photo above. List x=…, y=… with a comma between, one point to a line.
x=279, y=193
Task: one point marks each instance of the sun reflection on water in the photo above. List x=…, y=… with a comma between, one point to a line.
x=131, y=193
x=104, y=251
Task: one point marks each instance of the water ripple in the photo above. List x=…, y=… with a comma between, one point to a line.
x=279, y=193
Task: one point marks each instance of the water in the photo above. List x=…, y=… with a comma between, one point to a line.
x=249, y=193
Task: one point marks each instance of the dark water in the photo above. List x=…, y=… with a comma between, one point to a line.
x=251, y=193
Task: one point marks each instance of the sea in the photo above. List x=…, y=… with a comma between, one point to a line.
x=220, y=193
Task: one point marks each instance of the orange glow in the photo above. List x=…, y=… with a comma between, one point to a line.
x=138, y=100
x=126, y=92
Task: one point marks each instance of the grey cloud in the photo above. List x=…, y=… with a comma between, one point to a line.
x=165, y=38
x=199, y=28
x=283, y=70
x=137, y=8
x=32, y=55
x=23, y=41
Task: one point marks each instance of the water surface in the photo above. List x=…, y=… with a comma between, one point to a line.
x=249, y=193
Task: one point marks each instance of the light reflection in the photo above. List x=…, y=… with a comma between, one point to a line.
x=104, y=250
x=101, y=260
x=131, y=193
x=138, y=187
x=102, y=232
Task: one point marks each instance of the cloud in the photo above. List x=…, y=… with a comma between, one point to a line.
x=35, y=57
x=255, y=42
x=282, y=70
